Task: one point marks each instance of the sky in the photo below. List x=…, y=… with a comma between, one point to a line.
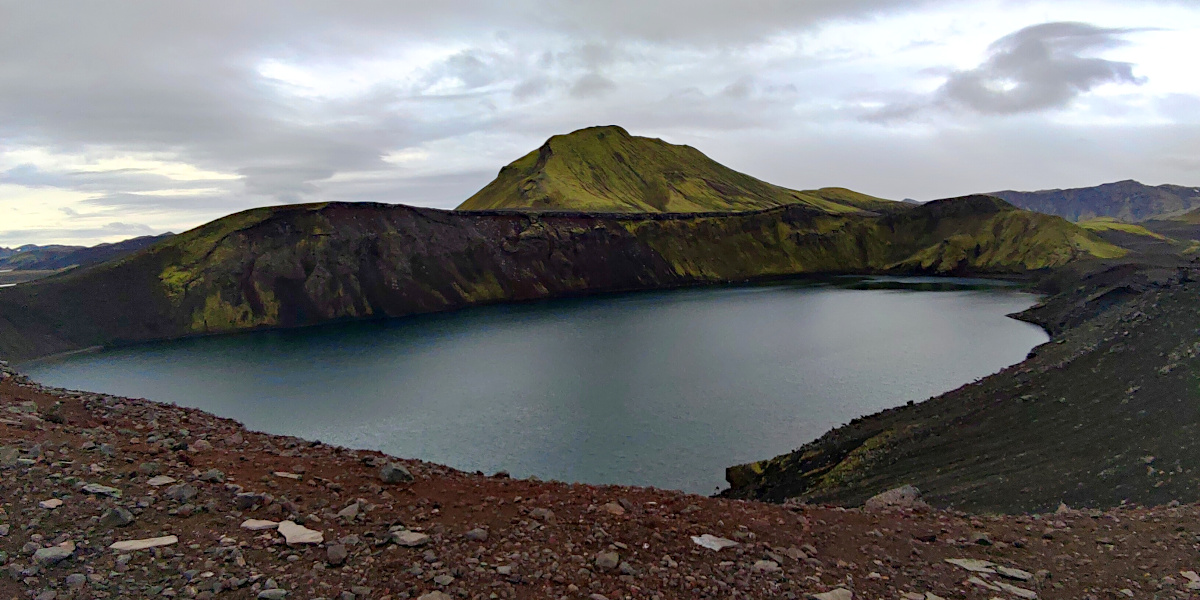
x=128, y=118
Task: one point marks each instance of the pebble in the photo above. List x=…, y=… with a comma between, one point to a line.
x=272, y=594
x=476, y=535
x=336, y=555
x=607, y=561
x=713, y=542
x=50, y=504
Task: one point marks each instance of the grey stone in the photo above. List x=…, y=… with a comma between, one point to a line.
x=443, y=580
x=181, y=493
x=837, y=594
x=76, y=580
x=336, y=555
x=409, y=539
x=272, y=594
x=213, y=476
x=477, y=535
x=102, y=490
x=395, y=473
x=115, y=517
x=765, y=566
x=905, y=496
x=436, y=595
x=607, y=561
x=247, y=500
x=9, y=456
x=54, y=554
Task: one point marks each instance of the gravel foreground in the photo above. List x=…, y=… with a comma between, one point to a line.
x=198, y=507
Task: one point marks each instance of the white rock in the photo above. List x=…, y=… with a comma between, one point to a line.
x=713, y=542
x=287, y=475
x=983, y=584
x=102, y=490
x=298, y=534
x=1016, y=591
x=410, y=539
x=838, y=594
x=973, y=565
x=161, y=480
x=259, y=525
x=1012, y=573
x=50, y=504
x=147, y=543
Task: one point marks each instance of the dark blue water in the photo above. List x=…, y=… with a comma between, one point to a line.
x=664, y=389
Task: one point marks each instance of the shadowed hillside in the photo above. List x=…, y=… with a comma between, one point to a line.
x=604, y=169
x=308, y=264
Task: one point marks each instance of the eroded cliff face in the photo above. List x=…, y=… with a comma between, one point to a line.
x=309, y=264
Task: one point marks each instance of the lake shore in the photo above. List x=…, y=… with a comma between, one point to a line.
x=101, y=460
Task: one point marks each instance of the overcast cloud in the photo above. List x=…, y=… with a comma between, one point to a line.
x=124, y=118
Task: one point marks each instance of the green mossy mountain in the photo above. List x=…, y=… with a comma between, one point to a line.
x=1128, y=201
x=604, y=169
x=304, y=265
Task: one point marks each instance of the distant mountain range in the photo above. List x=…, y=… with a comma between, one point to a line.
x=1127, y=201
x=54, y=258
x=605, y=169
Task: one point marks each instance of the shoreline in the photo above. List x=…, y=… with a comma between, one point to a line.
x=384, y=536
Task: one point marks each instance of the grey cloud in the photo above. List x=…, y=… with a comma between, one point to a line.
x=182, y=79
x=1040, y=67
x=592, y=85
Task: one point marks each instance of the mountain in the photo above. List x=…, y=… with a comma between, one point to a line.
x=302, y=265
x=53, y=258
x=1128, y=201
x=604, y=169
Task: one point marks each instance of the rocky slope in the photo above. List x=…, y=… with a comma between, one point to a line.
x=303, y=265
x=604, y=169
x=1102, y=415
x=85, y=479
x=53, y=258
x=1128, y=201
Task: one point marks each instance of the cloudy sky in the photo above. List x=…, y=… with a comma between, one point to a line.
x=120, y=119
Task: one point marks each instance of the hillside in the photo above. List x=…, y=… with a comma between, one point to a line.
x=302, y=265
x=1127, y=201
x=53, y=258
x=604, y=169
x=1097, y=417
x=85, y=471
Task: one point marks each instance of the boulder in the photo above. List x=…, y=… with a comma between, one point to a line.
x=395, y=473
x=905, y=496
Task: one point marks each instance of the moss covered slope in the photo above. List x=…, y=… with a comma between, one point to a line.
x=604, y=169
x=309, y=264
